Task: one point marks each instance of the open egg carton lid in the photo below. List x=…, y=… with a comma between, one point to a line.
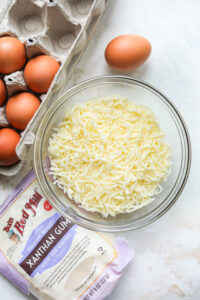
x=59, y=28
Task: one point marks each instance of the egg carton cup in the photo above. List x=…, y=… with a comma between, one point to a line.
x=59, y=28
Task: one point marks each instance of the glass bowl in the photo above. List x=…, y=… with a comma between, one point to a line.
x=170, y=122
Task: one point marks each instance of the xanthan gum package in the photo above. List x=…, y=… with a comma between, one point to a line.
x=43, y=253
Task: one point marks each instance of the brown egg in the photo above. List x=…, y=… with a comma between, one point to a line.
x=39, y=73
x=8, y=142
x=12, y=55
x=20, y=109
x=3, y=92
x=127, y=52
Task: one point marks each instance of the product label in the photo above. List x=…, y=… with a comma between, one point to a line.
x=54, y=255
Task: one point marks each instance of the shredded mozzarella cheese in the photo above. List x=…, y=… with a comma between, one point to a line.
x=109, y=156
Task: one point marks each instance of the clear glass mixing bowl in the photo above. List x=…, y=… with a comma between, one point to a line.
x=170, y=122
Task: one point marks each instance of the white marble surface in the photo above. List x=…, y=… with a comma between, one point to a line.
x=167, y=262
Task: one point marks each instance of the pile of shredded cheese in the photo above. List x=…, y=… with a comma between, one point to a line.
x=109, y=155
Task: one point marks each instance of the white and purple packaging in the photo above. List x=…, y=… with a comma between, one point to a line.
x=44, y=254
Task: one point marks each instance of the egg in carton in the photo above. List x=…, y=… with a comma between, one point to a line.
x=59, y=28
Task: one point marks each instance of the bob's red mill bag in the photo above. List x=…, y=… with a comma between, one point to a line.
x=43, y=253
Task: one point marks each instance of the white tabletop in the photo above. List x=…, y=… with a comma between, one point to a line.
x=167, y=261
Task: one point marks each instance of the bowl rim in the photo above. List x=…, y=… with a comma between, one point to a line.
x=73, y=217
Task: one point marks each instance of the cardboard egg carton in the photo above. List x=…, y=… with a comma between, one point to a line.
x=59, y=28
